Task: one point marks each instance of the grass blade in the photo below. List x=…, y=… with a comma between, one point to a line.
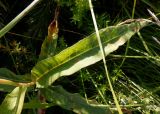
x=10, y=25
x=103, y=57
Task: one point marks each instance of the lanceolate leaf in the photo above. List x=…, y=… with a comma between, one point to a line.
x=84, y=53
x=8, y=79
x=6, y=88
x=58, y=96
x=49, y=44
x=13, y=103
x=36, y=103
x=9, y=75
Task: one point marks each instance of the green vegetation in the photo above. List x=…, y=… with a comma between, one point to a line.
x=98, y=57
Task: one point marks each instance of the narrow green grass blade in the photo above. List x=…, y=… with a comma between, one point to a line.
x=84, y=53
x=133, y=10
x=10, y=25
x=103, y=58
x=13, y=103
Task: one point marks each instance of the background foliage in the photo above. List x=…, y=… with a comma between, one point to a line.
x=135, y=74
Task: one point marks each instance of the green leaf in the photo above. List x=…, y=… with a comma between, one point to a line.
x=8, y=79
x=9, y=75
x=13, y=103
x=49, y=44
x=35, y=104
x=74, y=102
x=84, y=53
x=6, y=88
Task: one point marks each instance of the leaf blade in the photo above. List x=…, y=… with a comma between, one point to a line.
x=50, y=43
x=8, y=79
x=13, y=103
x=58, y=96
x=9, y=75
x=84, y=53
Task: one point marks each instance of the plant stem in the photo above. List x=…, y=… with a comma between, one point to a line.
x=12, y=83
x=103, y=58
x=133, y=11
x=11, y=24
